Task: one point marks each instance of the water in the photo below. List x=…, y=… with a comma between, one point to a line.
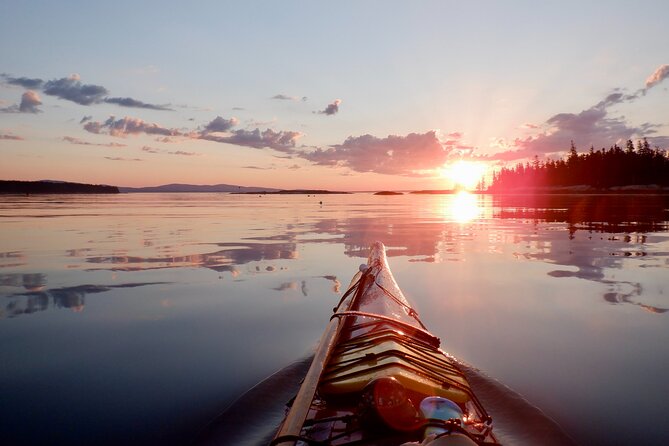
x=135, y=319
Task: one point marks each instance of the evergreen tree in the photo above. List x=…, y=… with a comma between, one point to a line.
x=597, y=168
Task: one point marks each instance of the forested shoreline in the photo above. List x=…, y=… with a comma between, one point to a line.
x=604, y=169
x=54, y=187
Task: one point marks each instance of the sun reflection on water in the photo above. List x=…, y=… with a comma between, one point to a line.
x=463, y=207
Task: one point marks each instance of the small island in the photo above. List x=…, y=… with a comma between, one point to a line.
x=53, y=187
x=388, y=192
x=434, y=191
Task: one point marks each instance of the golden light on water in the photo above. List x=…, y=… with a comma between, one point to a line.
x=463, y=207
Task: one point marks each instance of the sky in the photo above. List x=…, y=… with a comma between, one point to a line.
x=348, y=95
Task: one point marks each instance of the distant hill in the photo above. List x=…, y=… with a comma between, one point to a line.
x=296, y=192
x=54, y=187
x=197, y=188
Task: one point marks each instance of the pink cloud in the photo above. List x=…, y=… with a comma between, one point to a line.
x=78, y=141
x=118, y=158
x=395, y=155
x=29, y=102
x=11, y=137
x=169, y=152
x=661, y=73
x=591, y=127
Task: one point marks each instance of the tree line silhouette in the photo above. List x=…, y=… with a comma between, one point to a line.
x=600, y=169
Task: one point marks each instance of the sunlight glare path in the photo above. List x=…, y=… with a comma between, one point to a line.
x=463, y=207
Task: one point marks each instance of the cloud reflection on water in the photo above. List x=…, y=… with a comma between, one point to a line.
x=73, y=298
x=604, y=232
x=222, y=260
x=31, y=282
x=12, y=259
x=601, y=233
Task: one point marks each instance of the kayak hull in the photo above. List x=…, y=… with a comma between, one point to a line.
x=374, y=341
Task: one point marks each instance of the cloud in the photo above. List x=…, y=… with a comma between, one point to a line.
x=591, y=127
x=118, y=158
x=661, y=73
x=220, y=124
x=282, y=141
x=284, y=97
x=71, y=89
x=81, y=142
x=134, y=103
x=393, y=155
x=93, y=127
x=169, y=152
x=10, y=137
x=73, y=140
x=128, y=126
x=29, y=102
x=23, y=82
x=331, y=109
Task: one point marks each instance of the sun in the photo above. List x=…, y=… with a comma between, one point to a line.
x=464, y=174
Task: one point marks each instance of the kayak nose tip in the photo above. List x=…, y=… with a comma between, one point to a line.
x=377, y=254
x=377, y=246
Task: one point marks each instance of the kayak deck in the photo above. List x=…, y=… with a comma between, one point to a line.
x=375, y=336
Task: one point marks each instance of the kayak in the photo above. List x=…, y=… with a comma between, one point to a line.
x=378, y=377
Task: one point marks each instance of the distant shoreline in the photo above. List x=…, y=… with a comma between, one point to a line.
x=638, y=189
x=53, y=187
x=15, y=187
x=294, y=192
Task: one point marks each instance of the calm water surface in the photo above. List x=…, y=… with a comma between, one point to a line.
x=135, y=319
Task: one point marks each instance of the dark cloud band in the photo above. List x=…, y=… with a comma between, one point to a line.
x=134, y=103
x=71, y=89
x=24, y=82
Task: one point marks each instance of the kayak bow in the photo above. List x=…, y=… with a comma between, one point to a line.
x=379, y=378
